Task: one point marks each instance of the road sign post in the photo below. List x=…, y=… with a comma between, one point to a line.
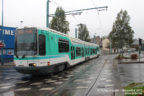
x=2, y=34
x=140, y=45
x=2, y=45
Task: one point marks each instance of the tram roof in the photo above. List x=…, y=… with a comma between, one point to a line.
x=74, y=40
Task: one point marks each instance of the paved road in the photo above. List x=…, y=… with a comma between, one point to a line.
x=97, y=77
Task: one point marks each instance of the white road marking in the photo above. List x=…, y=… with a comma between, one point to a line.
x=37, y=83
x=59, y=77
x=108, y=80
x=82, y=87
x=6, y=87
x=82, y=81
x=79, y=80
x=46, y=89
x=22, y=82
x=103, y=79
x=58, y=82
x=109, y=85
x=51, y=81
x=91, y=78
x=64, y=79
x=69, y=76
x=23, y=89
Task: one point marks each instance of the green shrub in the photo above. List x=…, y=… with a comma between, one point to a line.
x=134, y=89
x=121, y=57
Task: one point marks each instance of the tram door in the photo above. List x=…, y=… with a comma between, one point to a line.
x=72, y=52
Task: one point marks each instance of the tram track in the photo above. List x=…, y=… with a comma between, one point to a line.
x=60, y=90
x=95, y=81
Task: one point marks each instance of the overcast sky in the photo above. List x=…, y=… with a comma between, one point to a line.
x=33, y=13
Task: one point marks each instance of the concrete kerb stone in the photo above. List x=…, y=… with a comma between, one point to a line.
x=5, y=65
x=119, y=87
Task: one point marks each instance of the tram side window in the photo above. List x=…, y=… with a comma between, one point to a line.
x=78, y=51
x=63, y=45
x=42, y=49
x=82, y=52
x=91, y=52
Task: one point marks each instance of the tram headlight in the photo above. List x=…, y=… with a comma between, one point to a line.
x=32, y=64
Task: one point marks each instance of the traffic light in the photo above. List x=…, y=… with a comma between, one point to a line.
x=140, y=41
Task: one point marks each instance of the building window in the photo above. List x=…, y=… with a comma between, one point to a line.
x=42, y=45
x=63, y=45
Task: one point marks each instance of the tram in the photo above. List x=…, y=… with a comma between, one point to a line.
x=44, y=51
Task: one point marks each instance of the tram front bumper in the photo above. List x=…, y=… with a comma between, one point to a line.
x=35, y=70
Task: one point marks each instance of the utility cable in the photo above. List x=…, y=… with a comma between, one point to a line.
x=65, y=10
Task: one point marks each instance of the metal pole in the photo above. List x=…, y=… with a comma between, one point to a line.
x=110, y=47
x=47, y=14
x=2, y=36
x=139, y=52
x=76, y=36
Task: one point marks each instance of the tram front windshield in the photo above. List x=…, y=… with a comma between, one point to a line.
x=26, y=42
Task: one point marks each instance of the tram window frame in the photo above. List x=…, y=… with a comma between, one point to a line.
x=42, y=45
x=85, y=51
x=91, y=51
x=63, y=46
x=82, y=52
x=96, y=50
x=78, y=51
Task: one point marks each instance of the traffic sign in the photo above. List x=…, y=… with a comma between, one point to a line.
x=2, y=45
x=140, y=41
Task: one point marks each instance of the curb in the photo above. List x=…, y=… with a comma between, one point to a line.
x=6, y=66
x=142, y=62
x=120, y=92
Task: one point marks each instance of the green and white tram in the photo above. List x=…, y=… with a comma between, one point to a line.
x=43, y=51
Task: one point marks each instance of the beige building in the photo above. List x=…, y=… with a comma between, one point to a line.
x=105, y=44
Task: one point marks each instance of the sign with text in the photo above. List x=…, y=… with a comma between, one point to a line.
x=7, y=35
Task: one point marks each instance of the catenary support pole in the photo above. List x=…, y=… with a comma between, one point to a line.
x=47, y=14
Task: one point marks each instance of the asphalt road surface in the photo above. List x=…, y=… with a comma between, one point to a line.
x=96, y=77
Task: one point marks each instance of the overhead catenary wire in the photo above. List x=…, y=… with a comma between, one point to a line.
x=78, y=12
x=99, y=19
x=65, y=11
x=93, y=3
x=55, y=3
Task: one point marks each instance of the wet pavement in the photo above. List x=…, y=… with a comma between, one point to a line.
x=131, y=73
x=97, y=77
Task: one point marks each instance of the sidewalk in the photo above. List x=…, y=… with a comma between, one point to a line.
x=108, y=83
x=131, y=61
